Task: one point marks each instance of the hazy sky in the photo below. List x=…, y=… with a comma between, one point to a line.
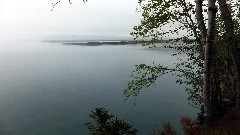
x=94, y=19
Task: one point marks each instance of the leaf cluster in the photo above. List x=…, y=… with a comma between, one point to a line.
x=106, y=124
x=144, y=76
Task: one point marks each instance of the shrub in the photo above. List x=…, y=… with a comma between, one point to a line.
x=106, y=124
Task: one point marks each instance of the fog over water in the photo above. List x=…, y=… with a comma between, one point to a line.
x=94, y=19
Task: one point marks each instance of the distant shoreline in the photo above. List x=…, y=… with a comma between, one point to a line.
x=99, y=42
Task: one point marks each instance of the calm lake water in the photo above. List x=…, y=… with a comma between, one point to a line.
x=50, y=88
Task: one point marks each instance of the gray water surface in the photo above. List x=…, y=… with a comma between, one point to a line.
x=50, y=88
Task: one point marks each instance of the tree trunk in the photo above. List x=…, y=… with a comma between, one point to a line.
x=232, y=42
x=200, y=21
x=208, y=59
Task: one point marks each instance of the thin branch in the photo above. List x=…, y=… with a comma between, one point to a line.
x=55, y=4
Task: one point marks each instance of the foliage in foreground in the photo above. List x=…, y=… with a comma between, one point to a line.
x=167, y=130
x=106, y=124
x=191, y=127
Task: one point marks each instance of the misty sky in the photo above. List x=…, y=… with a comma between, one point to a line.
x=100, y=19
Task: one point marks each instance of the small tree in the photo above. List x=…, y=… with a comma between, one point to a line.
x=106, y=124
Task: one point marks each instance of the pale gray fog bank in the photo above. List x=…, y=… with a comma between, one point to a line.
x=50, y=88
